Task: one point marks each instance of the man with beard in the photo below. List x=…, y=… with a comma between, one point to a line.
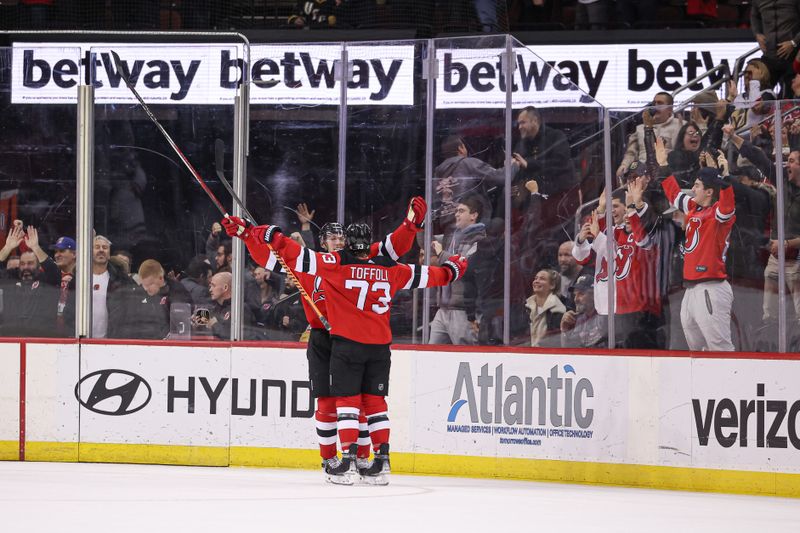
x=570, y=270
x=584, y=327
x=111, y=292
x=30, y=292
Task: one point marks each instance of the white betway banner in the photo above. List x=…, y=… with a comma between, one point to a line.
x=615, y=75
x=543, y=407
x=200, y=75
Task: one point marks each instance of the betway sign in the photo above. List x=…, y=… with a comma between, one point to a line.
x=616, y=75
x=198, y=75
x=306, y=74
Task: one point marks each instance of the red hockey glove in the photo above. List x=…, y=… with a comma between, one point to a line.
x=268, y=234
x=416, y=212
x=457, y=266
x=236, y=227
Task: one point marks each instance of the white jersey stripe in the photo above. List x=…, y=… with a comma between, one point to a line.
x=272, y=264
x=423, y=279
x=682, y=202
x=411, y=278
x=312, y=269
x=389, y=246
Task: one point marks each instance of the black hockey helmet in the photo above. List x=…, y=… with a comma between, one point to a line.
x=359, y=238
x=328, y=230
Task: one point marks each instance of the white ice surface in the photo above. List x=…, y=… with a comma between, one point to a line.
x=87, y=498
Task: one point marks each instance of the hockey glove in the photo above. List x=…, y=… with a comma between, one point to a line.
x=457, y=266
x=268, y=234
x=236, y=227
x=416, y=212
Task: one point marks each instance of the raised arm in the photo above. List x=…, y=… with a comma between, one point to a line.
x=399, y=242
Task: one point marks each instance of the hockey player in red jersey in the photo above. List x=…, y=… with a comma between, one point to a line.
x=359, y=292
x=706, y=306
x=332, y=239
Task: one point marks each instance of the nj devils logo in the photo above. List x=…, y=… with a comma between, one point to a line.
x=602, y=274
x=692, y=234
x=623, y=261
x=318, y=294
x=113, y=392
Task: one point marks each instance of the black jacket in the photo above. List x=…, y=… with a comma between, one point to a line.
x=549, y=161
x=120, y=299
x=29, y=307
x=149, y=316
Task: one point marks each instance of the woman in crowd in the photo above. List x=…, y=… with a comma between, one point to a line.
x=546, y=309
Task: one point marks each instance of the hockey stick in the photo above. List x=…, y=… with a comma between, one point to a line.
x=211, y=196
x=219, y=163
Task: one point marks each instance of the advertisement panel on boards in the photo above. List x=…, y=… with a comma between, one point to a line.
x=547, y=407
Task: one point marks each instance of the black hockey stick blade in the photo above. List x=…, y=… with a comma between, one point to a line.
x=219, y=162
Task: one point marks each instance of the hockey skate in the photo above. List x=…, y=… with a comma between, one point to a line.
x=377, y=473
x=342, y=472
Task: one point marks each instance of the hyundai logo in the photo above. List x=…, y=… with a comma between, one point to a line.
x=113, y=392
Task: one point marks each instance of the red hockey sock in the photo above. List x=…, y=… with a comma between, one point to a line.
x=377, y=419
x=325, y=418
x=347, y=409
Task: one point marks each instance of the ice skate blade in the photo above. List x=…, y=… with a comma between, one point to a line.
x=379, y=480
x=342, y=479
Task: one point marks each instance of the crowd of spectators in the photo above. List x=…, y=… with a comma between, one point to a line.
x=721, y=152
x=491, y=16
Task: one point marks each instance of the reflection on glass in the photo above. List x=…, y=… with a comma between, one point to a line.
x=385, y=152
x=559, y=173
x=37, y=193
x=157, y=233
x=292, y=175
x=467, y=206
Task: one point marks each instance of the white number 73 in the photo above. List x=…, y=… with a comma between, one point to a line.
x=363, y=287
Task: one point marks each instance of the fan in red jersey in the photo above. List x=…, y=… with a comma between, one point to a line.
x=318, y=353
x=358, y=295
x=706, y=306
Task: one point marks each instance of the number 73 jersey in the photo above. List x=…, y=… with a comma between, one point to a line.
x=359, y=292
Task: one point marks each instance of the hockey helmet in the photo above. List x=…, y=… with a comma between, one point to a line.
x=359, y=238
x=330, y=229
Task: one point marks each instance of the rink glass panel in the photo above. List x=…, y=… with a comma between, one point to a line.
x=38, y=124
x=790, y=119
x=474, y=175
x=293, y=160
x=563, y=147
x=747, y=254
x=385, y=152
x=145, y=200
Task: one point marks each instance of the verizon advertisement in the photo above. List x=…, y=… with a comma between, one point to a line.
x=741, y=414
x=548, y=407
x=307, y=74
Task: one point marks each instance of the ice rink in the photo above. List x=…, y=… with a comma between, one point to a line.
x=81, y=498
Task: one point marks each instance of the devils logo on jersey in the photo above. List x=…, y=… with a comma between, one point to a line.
x=622, y=261
x=318, y=294
x=692, y=235
x=602, y=274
